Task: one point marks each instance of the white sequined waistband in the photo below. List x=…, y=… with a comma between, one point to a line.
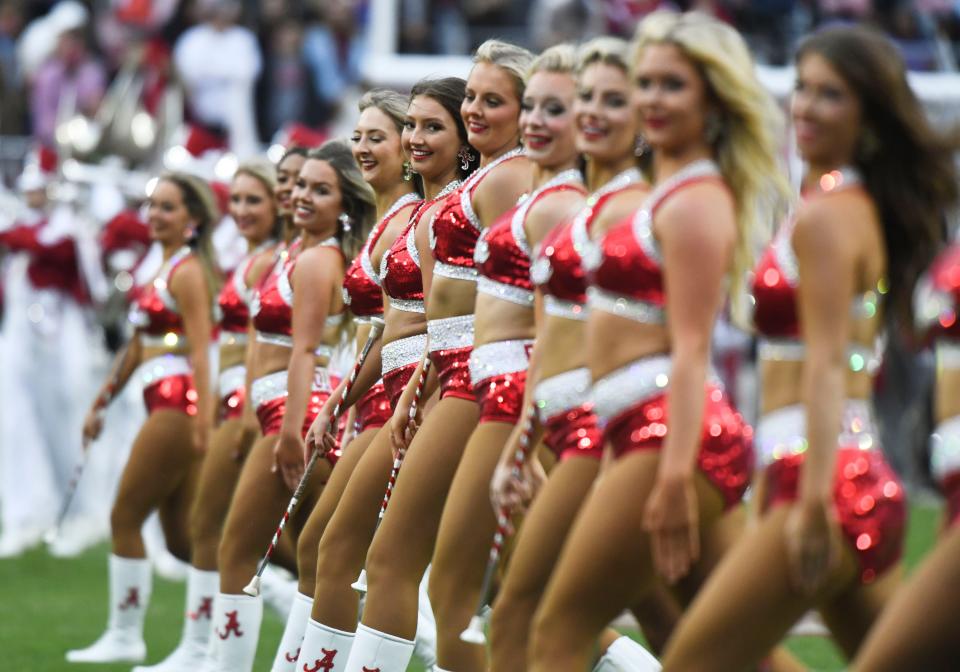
x=783, y=432
x=232, y=379
x=274, y=385
x=558, y=394
x=156, y=369
x=945, y=449
x=629, y=385
x=285, y=341
x=402, y=352
x=643, y=312
x=450, y=333
x=499, y=359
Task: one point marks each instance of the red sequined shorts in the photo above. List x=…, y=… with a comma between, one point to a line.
x=945, y=464
x=232, y=384
x=570, y=425
x=168, y=384
x=269, y=396
x=451, y=342
x=631, y=404
x=399, y=359
x=868, y=497
x=499, y=375
x=373, y=408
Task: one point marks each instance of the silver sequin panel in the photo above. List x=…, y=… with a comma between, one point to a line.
x=502, y=290
x=232, y=379
x=450, y=333
x=629, y=385
x=568, y=310
x=558, y=394
x=498, y=359
x=274, y=385
x=455, y=272
x=625, y=306
x=408, y=305
x=287, y=342
x=156, y=369
x=402, y=352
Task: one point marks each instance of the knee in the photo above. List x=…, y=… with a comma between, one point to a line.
x=307, y=558
x=510, y=618
x=448, y=595
x=232, y=551
x=124, y=519
x=339, y=554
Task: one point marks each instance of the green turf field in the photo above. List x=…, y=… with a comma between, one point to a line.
x=51, y=605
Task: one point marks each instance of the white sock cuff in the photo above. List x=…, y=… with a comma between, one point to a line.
x=630, y=656
x=303, y=599
x=366, y=630
x=326, y=628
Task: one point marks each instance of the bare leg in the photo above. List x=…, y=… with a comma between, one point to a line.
x=462, y=548
x=749, y=604
x=175, y=512
x=218, y=479
x=605, y=565
x=258, y=503
x=343, y=546
x=538, y=545
x=402, y=547
x=918, y=628
x=320, y=516
x=161, y=457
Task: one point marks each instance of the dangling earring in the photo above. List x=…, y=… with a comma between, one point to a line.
x=345, y=221
x=190, y=234
x=712, y=128
x=407, y=171
x=465, y=157
x=640, y=146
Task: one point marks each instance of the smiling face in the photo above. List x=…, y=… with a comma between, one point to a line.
x=672, y=99
x=287, y=171
x=430, y=139
x=826, y=113
x=606, y=122
x=251, y=206
x=490, y=109
x=376, y=148
x=546, y=120
x=317, y=200
x=167, y=215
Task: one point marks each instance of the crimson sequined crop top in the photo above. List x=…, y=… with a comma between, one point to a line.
x=503, y=254
x=774, y=290
x=626, y=273
x=361, y=283
x=155, y=313
x=233, y=303
x=400, y=265
x=936, y=298
x=272, y=305
x=455, y=228
x=558, y=266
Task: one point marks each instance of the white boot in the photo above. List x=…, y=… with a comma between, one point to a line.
x=324, y=649
x=191, y=652
x=212, y=653
x=625, y=655
x=373, y=650
x=278, y=587
x=237, y=627
x=425, y=649
x=292, y=639
x=130, y=583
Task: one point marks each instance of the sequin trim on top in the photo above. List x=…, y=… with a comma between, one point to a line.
x=505, y=292
x=365, y=260
x=450, y=333
x=621, y=306
x=455, y=272
x=287, y=341
x=859, y=357
x=499, y=359
x=274, y=385
x=569, y=310
x=588, y=250
x=231, y=380
x=408, y=305
x=466, y=197
x=558, y=394
x=156, y=369
x=402, y=352
x=783, y=433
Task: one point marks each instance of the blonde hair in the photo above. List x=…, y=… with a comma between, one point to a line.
x=265, y=173
x=200, y=202
x=751, y=124
x=560, y=59
x=606, y=50
x=391, y=103
x=515, y=60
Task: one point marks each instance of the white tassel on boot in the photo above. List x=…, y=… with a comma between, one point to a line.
x=324, y=649
x=130, y=584
x=292, y=639
x=197, y=623
x=425, y=649
x=378, y=650
x=625, y=655
x=236, y=626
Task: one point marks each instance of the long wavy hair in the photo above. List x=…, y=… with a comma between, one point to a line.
x=449, y=93
x=394, y=105
x=910, y=172
x=746, y=149
x=357, y=198
x=200, y=202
